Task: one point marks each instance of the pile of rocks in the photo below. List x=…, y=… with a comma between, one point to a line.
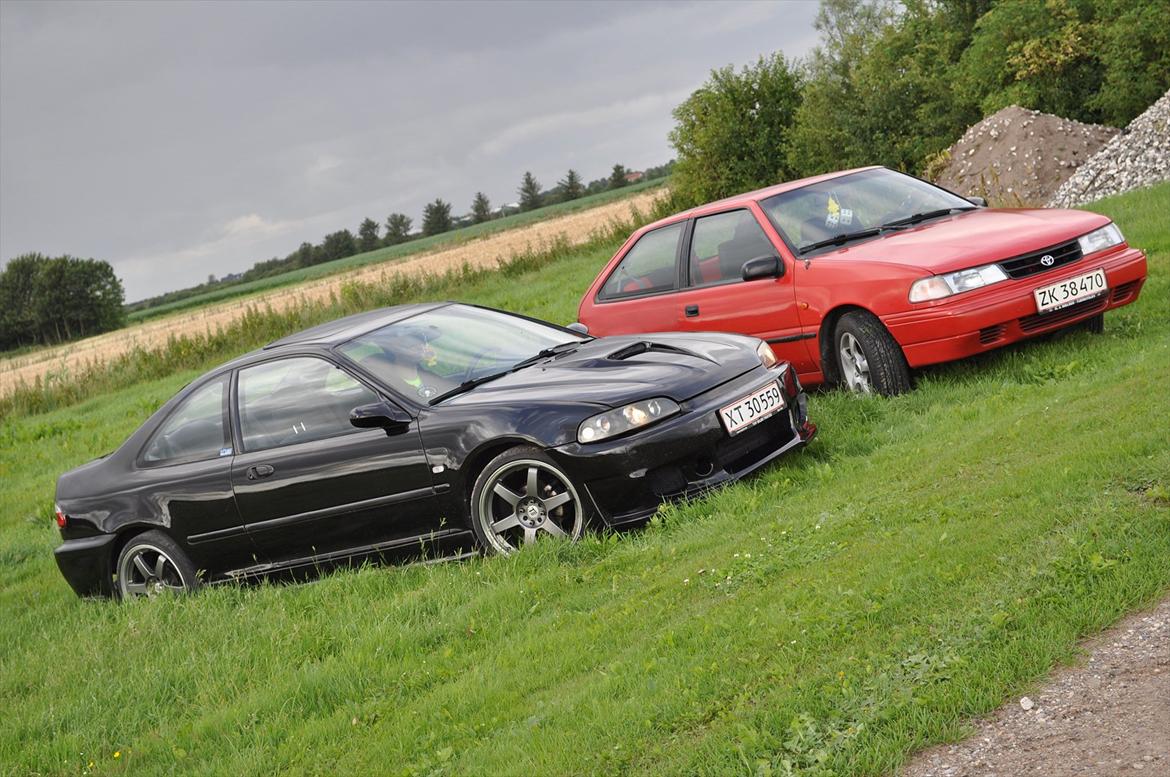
x=1139, y=156
x=1018, y=157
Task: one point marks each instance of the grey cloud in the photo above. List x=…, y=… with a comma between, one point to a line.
x=180, y=139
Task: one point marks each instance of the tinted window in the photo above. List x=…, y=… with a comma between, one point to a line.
x=648, y=267
x=296, y=400
x=722, y=243
x=194, y=430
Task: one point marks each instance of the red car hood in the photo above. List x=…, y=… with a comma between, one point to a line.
x=973, y=238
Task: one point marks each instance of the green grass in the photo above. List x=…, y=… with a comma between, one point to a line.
x=926, y=558
x=392, y=253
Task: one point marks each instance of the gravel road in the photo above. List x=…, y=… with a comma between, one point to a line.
x=1108, y=716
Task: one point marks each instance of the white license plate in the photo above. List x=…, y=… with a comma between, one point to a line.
x=1070, y=292
x=752, y=409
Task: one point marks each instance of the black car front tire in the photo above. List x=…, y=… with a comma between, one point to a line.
x=152, y=563
x=520, y=495
x=869, y=360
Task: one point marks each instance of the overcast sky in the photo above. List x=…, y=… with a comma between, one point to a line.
x=177, y=140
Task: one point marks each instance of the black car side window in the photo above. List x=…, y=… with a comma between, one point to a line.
x=648, y=267
x=722, y=243
x=296, y=400
x=194, y=430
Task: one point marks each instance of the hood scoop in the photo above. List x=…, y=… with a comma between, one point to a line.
x=646, y=346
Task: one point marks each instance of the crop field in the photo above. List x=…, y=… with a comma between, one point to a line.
x=925, y=558
x=484, y=245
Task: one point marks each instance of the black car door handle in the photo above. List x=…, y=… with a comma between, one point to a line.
x=692, y=311
x=260, y=471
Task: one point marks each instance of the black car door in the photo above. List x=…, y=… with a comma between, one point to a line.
x=183, y=475
x=308, y=483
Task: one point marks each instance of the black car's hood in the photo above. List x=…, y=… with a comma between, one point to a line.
x=612, y=371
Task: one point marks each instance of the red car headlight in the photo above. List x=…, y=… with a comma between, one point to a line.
x=940, y=286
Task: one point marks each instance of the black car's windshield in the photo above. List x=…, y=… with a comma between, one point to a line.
x=438, y=352
x=855, y=206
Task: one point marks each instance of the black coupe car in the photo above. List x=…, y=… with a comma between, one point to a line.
x=419, y=424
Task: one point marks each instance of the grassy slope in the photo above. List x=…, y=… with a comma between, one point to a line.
x=393, y=253
x=926, y=557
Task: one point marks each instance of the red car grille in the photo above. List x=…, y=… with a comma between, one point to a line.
x=989, y=334
x=1125, y=291
x=1033, y=263
x=1039, y=321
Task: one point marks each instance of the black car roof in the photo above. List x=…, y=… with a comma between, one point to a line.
x=343, y=329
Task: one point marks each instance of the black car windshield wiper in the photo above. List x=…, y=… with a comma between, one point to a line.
x=546, y=353
x=841, y=239
x=919, y=217
x=468, y=385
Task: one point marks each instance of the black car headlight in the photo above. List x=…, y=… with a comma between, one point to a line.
x=623, y=419
x=767, y=355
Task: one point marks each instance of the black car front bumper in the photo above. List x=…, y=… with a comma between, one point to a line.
x=628, y=478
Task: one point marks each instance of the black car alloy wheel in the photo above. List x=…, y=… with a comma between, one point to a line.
x=520, y=495
x=151, y=564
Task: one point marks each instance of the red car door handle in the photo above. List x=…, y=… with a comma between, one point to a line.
x=692, y=311
x=260, y=471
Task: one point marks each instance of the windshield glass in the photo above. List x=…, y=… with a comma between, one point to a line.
x=853, y=203
x=429, y=354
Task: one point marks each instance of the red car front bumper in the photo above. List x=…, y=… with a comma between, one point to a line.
x=1005, y=313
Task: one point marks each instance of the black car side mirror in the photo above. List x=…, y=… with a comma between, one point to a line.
x=578, y=327
x=982, y=203
x=763, y=267
x=380, y=415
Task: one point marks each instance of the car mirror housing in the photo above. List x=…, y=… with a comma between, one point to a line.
x=380, y=415
x=763, y=267
x=982, y=203
x=578, y=327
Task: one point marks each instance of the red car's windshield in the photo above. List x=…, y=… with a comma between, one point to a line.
x=854, y=203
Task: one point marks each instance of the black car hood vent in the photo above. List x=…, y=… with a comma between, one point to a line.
x=645, y=346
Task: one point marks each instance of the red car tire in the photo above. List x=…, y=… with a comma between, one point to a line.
x=868, y=359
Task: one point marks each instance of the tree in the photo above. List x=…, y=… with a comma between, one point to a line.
x=397, y=228
x=732, y=133
x=44, y=300
x=571, y=186
x=338, y=245
x=368, y=235
x=481, y=208
x=617, y=178
x=529, y=191
x=436, y=217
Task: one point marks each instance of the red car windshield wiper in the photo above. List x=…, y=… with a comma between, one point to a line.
x=918, y=217
x=841, y=239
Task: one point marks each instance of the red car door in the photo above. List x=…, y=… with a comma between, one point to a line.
x=714, y=296
x=636, y=297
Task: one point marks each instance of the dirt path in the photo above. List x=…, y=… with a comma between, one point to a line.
x=1108, y=716
x=485, y=252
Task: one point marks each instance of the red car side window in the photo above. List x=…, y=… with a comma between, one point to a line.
x=722, y=243
x=648, y=267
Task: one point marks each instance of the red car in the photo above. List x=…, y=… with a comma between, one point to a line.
x=856, y=277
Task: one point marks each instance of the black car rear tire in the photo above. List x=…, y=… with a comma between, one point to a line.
x=152, y=563
x=520, y=495
x=869, y=360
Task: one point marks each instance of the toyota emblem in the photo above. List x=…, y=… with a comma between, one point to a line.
x=1048, y=260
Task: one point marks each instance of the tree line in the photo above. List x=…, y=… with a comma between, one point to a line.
x=398, y=228
x=47, y=300
x=897, y=83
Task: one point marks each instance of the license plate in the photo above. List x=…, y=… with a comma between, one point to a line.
x=1070, y=292
x=752, y=409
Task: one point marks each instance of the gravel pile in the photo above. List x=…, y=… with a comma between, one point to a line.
x=1139, y=156
x=1018, y=157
